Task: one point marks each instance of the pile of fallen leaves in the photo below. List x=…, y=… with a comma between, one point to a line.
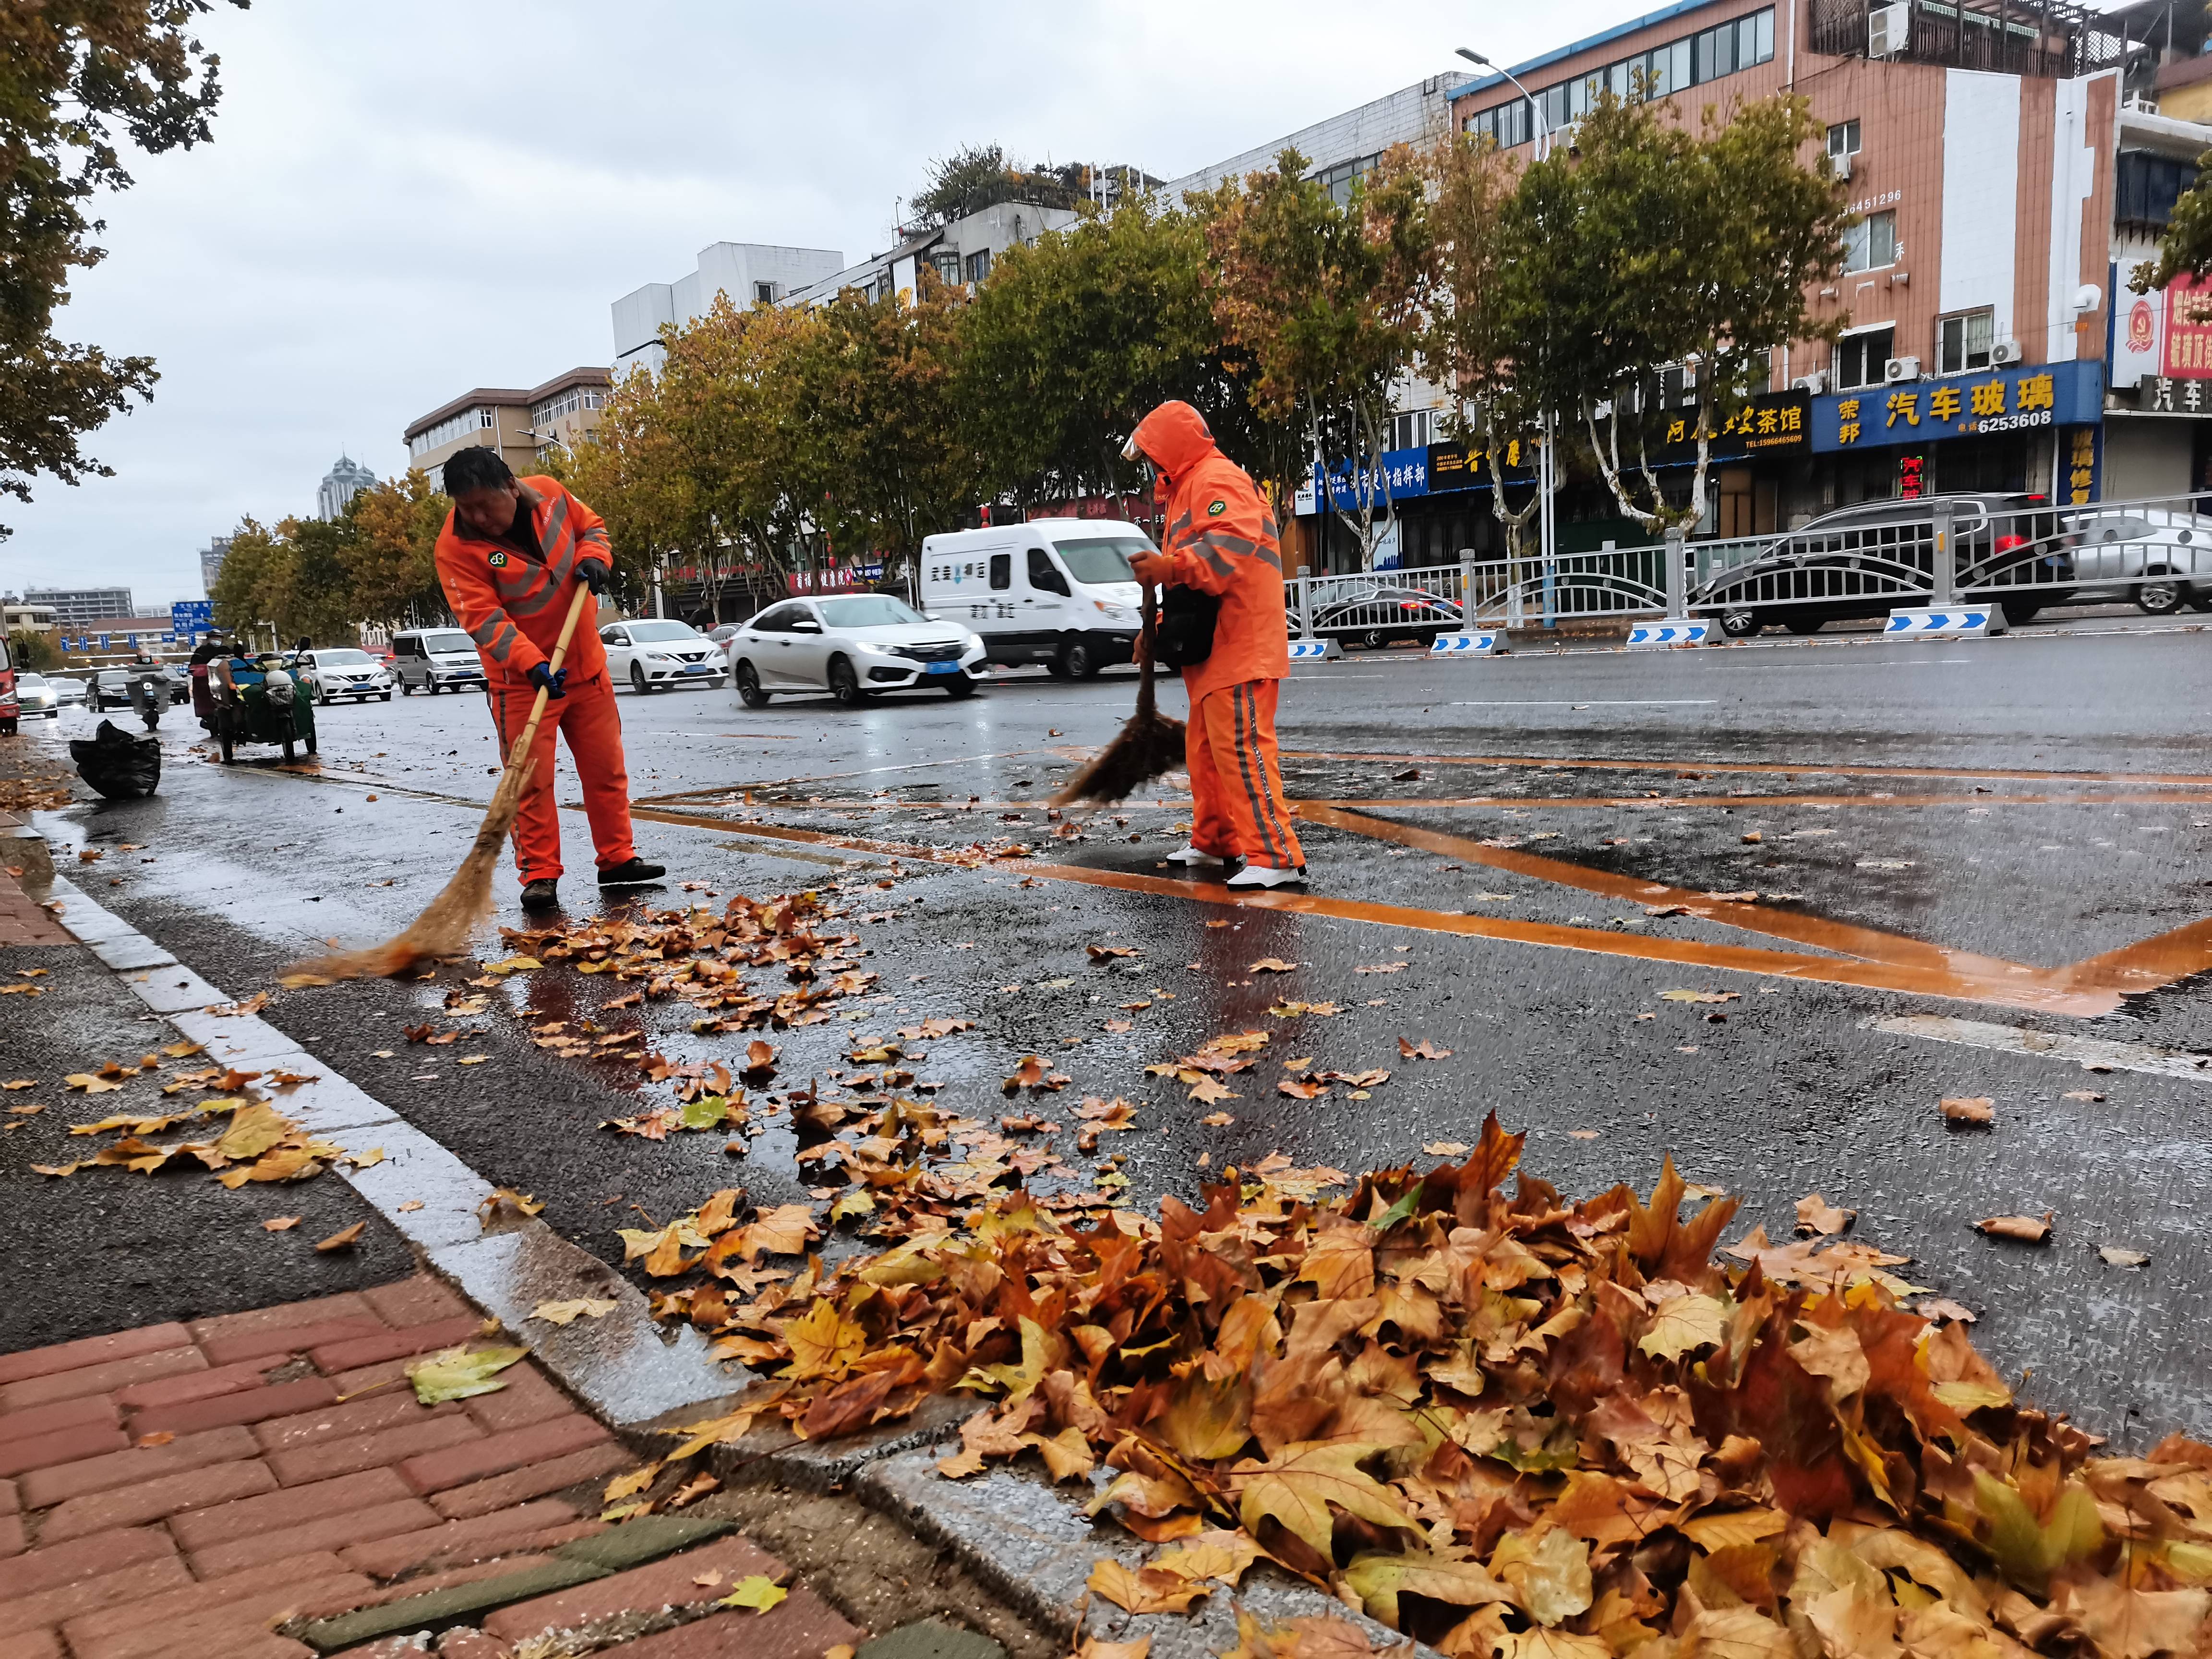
x=35, y=794
x=236, y=1130
x=1498, y=1422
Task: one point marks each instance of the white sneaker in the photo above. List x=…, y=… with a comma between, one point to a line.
x=1195, y=854
x=1260, y=875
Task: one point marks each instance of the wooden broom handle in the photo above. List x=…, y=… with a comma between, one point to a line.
x=521, y=749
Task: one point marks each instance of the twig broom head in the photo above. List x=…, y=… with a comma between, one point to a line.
x=445, y=926
x=1150, y=745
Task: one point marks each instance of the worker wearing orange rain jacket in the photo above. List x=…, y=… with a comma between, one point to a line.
x=1221, y=539
x=510, y=558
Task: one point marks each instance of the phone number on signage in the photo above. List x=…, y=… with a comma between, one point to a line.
x=2015, y=422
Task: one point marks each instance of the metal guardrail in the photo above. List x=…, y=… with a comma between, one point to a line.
x=1866, y=560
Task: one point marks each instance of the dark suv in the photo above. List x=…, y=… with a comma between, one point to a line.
x=1865, y=560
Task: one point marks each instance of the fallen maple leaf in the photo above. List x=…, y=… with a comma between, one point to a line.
x=1816, y=1215
x=2071, y=1094
x=1701, y=996
x=583, y=1307
x=2026, y=1229
x=2119, y=1256
x=280, y=1223
x=1423, y=1049
x=1148, y=1590
x=1444, y=1148
x=1108, y=952
x=1217, y=1119
x=760, y=1594
x=1271, y=965
x=1970, y=1111
x=1380, y=968
x=344, y=1239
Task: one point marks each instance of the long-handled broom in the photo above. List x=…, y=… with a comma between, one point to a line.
x=443, y=929
x=1150, y=745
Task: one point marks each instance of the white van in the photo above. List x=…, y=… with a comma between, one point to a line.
x=1054, y=591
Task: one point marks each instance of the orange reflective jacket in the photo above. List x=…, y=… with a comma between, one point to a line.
x=513, y=606
x=1222, y=538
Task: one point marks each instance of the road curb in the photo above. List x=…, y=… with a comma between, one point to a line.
x=23, y=845
x=626, y=1368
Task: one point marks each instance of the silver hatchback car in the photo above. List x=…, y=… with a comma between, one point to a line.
x=2168, y=549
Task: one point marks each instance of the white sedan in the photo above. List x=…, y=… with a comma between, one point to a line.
x=851, y=646
x=655, y=653
x=330, y=675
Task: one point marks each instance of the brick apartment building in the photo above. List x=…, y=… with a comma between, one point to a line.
x=2010, y=161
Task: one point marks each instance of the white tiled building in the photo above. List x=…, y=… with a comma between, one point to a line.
x=751, y=273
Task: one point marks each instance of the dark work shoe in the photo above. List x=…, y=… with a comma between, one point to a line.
x=542, y=894
x=632, y=874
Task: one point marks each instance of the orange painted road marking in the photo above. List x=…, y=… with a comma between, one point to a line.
x=1867, y=957
x=2139, y=779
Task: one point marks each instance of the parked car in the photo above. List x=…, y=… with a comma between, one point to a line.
x=1364, y=611
x=1054, y=591
x=69, y=691
x=658, y=651
x=850, y=647
x=1867, y=560
x=341, y=673
x=36, y=695
x=722, y=632
x=2166, y=545
x=435, y=660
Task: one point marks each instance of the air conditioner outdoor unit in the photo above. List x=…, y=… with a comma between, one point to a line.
x=1843, y=165
x=1889, y=28
x=1815, y=383
x=1900, y=368
x=2005, y=351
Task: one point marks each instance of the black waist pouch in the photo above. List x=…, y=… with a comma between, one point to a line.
x=1186, y=628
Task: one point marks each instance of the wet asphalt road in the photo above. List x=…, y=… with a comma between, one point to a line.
x=1896, y=789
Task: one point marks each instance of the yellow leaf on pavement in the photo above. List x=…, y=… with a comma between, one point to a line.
x=1149, y=1590
x=1298, y=1486
x=1685, y=1322
x=823, y=1343
x=754, y=1592
x=583, y=1307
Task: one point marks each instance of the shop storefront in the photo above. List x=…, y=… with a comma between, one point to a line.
x=1439, y=507
x=2033, y=428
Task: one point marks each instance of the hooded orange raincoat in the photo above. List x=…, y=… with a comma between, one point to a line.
x=1221, y=538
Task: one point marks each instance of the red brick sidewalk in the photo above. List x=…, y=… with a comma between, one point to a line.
x=176, y=1491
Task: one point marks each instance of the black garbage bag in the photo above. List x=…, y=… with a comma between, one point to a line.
x=121, y=765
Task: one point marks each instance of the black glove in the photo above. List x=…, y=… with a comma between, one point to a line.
x=595, y=573
x=554, y=685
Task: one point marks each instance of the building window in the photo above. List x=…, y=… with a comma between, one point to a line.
x=1741, y=43
x=453, y=426
x=1962, y=343
x=1842, y=140
x=979, y=264
x=1861, y=358
x=1338, y=179
x=763, y=294
x=1872, y=243
x=1410, y=430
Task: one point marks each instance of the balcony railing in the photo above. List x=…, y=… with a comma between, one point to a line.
x=2043, y=38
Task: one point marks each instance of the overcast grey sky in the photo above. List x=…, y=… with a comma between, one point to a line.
x=408, y=199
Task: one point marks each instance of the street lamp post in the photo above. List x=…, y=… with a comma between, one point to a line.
x=1547, y=534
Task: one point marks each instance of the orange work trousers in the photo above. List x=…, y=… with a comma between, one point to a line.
x=588, y=717
x=1237, y=808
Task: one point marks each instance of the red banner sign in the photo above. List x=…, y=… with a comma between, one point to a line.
x=2188, y=355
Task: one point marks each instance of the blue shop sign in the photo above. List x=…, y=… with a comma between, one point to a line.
x=2014, y=399
x=1405, y=471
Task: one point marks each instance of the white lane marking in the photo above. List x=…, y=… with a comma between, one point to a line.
x=2089, y=1052
x=1902, y=662
x=626, y=1378
x=1593, y=702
